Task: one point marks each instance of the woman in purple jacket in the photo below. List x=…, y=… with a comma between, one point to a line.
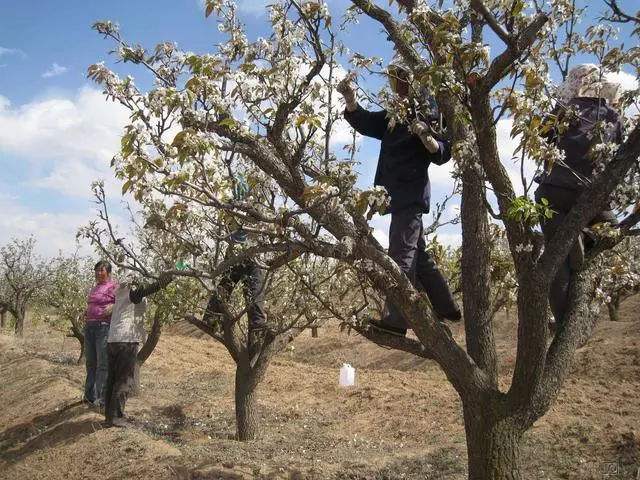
x=96, y=331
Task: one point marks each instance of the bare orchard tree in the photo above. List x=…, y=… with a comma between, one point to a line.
x=178, y=234
x=267, y=102
x=64, y=298
x=23, y=276
x=4, y=309
x=621, y=277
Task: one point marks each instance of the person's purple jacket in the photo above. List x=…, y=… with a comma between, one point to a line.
x=100, y=298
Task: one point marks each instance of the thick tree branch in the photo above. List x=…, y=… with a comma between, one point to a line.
x=491, y=20
x=503, y=62
x=591, y=202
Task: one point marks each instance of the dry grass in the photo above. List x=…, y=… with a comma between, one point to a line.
x=402, y=421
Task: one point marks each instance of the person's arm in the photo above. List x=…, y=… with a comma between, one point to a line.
x=137, y=294
x=443, y=154
x=108, y=310
x=439, y=150
x=369, y=124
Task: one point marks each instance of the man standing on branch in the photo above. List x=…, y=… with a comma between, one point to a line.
x=405, y=154
x=249, y=273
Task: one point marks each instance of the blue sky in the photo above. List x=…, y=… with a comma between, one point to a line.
x=57, y=133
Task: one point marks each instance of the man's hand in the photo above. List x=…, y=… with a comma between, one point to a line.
x=421, y=129
x=345, y=88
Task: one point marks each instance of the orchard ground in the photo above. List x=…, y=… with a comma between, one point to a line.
x=402, y=421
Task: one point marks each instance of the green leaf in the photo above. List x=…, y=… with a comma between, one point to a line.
x=179, y=139
x=227, y=122
x=127, y=186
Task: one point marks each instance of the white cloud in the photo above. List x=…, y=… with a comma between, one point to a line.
x=53, y=231
x=54, y=71
x=381, y=236
x=69, y=141
x=516, y=167
x=626, y=80
x=74, y=179
x=449, y=239
x=440, y=176
x=11, y=52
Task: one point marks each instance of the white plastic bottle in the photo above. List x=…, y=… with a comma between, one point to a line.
x=347, y=376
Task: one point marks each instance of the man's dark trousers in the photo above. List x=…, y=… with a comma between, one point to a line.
x=122, y=365
x=252, y=278
x=408, y=249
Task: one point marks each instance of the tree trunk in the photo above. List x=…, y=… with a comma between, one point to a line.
x=151, y=342
x=77, y=332
x=145, y=351
x=246, y=404
x=493, y=445
x=3, y=318
x=135, y=388
x=20, y=319
x=476, y=275
x=81, y=356
x=614, y=306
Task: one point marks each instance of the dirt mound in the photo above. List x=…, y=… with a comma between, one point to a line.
x=184, y=328
x=402, y=421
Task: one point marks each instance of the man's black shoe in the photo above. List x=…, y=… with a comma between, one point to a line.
x=454, y=316
x=118, y=423
x=382, y=328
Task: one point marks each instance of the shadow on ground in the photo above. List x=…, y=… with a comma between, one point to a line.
x=45, y=431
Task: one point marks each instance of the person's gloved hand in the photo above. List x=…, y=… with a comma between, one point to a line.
x=345, y=88
x=421, y=129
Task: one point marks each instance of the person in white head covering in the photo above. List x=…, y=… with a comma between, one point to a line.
x=578, y=79
x=582, y=119
x=125, y=335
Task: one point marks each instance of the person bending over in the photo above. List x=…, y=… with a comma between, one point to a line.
x=125, y=335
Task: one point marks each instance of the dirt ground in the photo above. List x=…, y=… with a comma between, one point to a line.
x=401, y=421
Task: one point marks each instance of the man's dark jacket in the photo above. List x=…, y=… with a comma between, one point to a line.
x=576, y=171
x=403, y=161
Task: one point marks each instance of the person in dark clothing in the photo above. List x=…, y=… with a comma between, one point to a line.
x=249, y=273
x=582, y=119
x=406, y=151
x=125, y=335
